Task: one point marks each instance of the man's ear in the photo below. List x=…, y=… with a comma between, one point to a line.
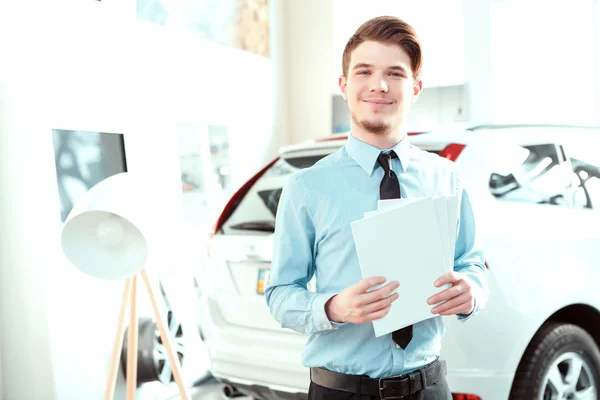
x=417, y=90
x=342, y=83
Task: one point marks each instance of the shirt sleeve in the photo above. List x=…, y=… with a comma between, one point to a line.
x=468, y=257
x=292, y=266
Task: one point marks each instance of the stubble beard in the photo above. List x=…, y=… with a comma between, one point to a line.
x=374, y=127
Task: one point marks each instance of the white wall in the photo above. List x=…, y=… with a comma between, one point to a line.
x=477, y=61
x=87, y=65
x=26, y=354
x=545, y=68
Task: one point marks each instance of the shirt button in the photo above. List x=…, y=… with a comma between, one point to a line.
x=324, y=326
x=397, y=346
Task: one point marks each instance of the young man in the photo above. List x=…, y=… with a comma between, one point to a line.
x=381, y=79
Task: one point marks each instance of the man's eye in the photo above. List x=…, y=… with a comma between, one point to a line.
x=396, y=74
x=363, y=72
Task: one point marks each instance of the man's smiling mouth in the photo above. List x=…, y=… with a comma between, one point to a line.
x=378, y=101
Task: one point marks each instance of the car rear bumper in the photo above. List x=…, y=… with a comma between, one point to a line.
x=246, y=356
x=254, y=369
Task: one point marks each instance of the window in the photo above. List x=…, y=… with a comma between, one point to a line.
x=257, y=209
x=540, y=175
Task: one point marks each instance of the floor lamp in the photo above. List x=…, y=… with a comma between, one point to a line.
x=109, y=234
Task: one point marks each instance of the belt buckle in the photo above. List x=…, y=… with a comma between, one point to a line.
x=382, y=396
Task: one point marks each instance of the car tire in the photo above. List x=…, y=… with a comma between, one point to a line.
x=562, y=361
x=153, y=364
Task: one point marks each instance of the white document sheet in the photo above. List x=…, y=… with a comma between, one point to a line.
x=452, y=226
x=407, y=240
x=446, y=209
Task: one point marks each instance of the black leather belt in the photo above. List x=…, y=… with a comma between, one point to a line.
x=394, y=387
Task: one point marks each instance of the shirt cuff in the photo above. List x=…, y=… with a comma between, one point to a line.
x=466, y=317
x=320, y=320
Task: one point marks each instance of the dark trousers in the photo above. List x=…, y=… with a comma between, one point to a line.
x=439, y=391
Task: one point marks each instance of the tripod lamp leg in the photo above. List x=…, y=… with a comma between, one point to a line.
x=113, y=367
x=132, y=344
x=164, y=334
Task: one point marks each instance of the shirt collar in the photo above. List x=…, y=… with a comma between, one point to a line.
x=366, y=155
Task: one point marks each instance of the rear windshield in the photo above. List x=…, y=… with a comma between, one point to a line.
x=257, y=211
x=303, y=162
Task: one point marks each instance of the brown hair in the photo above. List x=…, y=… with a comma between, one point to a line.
x=390, y=30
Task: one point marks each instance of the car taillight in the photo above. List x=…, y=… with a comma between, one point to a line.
x=344, y=137
x=462, y=396
x=331, y=138
x=238, y=196
x=452, y=151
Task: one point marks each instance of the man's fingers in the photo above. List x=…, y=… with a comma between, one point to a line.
x=448, y=277
x=447, y=294
x=376, y=315
x=465, y=300
x=380, y=304
x=462, y=309
x=378, y=294
x=366, y=283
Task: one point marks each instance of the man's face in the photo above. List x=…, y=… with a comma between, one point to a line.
x=379, y=86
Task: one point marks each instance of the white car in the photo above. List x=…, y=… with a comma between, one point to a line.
x=535, y=191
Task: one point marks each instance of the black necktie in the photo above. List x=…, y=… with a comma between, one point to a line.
x=390, y=189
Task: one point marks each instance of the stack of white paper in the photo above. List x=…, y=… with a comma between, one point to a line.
x=410, y=241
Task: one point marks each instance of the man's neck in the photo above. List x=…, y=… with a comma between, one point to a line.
x=379, y=140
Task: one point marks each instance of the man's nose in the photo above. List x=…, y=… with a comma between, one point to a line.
x=379, y=85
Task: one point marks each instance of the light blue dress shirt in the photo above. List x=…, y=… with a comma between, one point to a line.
x=313, y=236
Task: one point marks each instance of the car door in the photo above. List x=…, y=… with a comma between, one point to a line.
x=584, y=213
x=585, y=184
x=527, y=238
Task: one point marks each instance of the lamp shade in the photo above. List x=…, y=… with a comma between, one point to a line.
x=106, y=234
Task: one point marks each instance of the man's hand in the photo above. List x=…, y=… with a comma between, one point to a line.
x=355, y=305
x=459, y=297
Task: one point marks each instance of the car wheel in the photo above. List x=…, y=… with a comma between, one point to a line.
x=562, y=362
x=153, y=363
